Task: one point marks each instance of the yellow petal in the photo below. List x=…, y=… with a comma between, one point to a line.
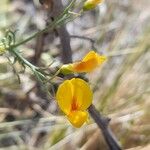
x=89, y=56
x=96, y=1
x=64, y=96
x=82, y=93
x=101, y=59
x=89, y=62
x=87, y=66
x=78, y=118
x=93, y=55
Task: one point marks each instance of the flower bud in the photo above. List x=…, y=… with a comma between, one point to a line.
x=91, y=4
x=66, y=69
x=2, y=49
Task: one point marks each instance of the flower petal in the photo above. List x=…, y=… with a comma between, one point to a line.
x=101, y=59
x=89, y=62
x=78, y=118
x=87, y=66
x=64, y=96
x=89, y=56
x=82, y=93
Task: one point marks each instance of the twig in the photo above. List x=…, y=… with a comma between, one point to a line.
x=59, y=20
x=103, y=125
x=64, y=36
x=85, y=38
x=38, y=48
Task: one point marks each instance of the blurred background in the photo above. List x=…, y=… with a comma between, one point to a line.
x=30, y=118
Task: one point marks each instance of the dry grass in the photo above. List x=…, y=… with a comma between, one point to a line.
x=122, y=86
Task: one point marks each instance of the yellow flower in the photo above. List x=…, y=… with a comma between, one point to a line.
x=88, y=64
x=2, y=49
x=74, y=97
x=91, y=4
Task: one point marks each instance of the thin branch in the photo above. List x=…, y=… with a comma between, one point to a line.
x=59, y=20
x=103, y=125
x=85, y=38
x=39, y=46
x=64, y=36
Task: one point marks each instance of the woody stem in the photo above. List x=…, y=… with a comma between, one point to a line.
x=106, y=131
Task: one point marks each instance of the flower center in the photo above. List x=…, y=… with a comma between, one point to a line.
x=74, y=105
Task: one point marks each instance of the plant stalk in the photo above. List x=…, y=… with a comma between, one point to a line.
x=106, y=131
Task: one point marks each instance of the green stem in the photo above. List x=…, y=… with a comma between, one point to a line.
x=26, y=62
x=58, y=21
x=49, y=27
x=35, y=69
x=65, y=15
x=57, y=72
